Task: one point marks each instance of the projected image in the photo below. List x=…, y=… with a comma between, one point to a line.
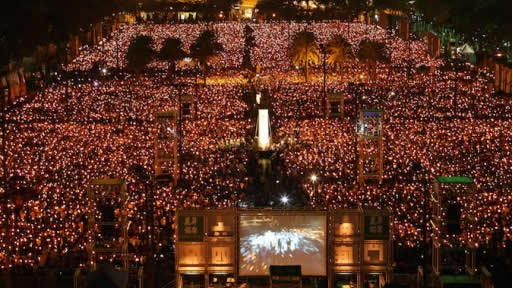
x=282, y=240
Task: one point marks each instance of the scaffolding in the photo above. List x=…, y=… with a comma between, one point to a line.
x=188, y=107
x=453, y=219
x=166, y=147
x=107, y=221
x=335, y=105
x=370, y=145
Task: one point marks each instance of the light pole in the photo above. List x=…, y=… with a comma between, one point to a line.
x=323, y=48
x=455, y=92
x=408, y=16
x=314, y=179
x=4, y=159
x=117, y=55
x=180, y=130
x=150, y=223
x=4, y=183
x=357, y=109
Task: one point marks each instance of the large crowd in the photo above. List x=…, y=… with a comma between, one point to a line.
x=271, y=55
x=73, y=132
x=425, y=135
x=444, y=122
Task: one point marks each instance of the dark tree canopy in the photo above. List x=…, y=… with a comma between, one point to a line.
x=371, y=52
x=281, y=8
x=32, y=22
x=28, y=23
x=485, y=24
x=304, y=51
x=205, y=50
x=212, y=8
x=172, y=51
x=140, y=53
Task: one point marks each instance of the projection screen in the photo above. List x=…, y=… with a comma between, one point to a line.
x=282, y=240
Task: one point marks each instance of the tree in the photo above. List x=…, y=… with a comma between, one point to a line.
x=249, y=43
x=289, y=11
x=140, y=53
x=397, y=5
x=355, y=7
x=304, y=51
x=172, y=51
x=285, y=9
x=339, y=51
x=51, y=21
x=268, y=7
x=434, y=11
x=486, y=25
x=212, y=8
x=370, y=53
x=205, y=50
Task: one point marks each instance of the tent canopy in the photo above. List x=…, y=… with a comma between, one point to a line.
x=466, y=49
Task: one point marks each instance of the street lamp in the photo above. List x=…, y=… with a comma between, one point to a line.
x=284, y=200
x=323, y=48
x=356, y=93
x=315, y=184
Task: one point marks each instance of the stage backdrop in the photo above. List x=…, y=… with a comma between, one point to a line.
x=282, y=240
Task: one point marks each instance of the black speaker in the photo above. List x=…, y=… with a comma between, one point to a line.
x=453, y=218
x=107, y=211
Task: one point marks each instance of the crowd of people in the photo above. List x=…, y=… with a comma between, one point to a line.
x=75, y=131
x=431, y=127
x=271, y=43
x=445, y=122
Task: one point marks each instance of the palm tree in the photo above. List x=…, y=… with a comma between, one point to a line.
x=305, y=51
x=268, y=7
x=339, y=51
x=172, y=51
x=140, y=53
x=395, y=5
x=205, y=50
x=213, y=9
x=370, y=53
